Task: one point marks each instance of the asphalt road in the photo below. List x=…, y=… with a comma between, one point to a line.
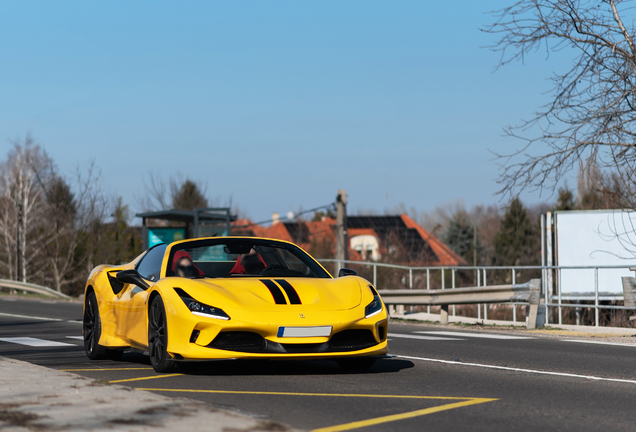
x=438, y=381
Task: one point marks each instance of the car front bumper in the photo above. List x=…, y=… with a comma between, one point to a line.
x=256, y=335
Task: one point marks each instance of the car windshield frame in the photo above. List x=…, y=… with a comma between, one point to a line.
x=317, y=271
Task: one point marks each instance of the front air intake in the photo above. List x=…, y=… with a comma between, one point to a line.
x=241, y=341
x=352, y=340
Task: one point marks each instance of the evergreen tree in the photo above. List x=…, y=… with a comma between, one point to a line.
x=518, y=240
x=188, y=196
x=61, y=201
x=460, y=236
x=61, y=242
x=565, y=201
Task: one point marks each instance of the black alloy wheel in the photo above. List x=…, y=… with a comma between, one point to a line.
x=92, y=331
x=356, y=364
x=158, y=338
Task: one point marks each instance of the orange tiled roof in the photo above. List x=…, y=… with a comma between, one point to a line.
x=352, y=232
x=247, y=227
x=278, y=231
x=446, y=256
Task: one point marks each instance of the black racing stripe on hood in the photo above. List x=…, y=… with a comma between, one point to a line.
x=279, y=298
x=291, y=292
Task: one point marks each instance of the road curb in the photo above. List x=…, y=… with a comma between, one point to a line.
x=37, y=398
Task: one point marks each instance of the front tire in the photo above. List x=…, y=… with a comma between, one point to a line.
x=92, y=331
x=158, y=338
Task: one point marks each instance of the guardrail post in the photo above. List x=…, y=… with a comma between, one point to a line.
x=533, y=299
x=629, y=293
x=443, y=314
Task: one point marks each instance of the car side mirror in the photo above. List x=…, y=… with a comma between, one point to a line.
x=132, y=277
x=347, y=272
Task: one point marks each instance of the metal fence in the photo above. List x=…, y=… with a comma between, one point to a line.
x=446, y=278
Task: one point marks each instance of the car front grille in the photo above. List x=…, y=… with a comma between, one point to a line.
x=242, y=341
x=305, y=348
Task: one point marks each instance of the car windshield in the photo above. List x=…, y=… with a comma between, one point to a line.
x=231, y=257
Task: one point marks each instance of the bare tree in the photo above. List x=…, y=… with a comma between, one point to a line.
x=156, y=195
x=591, y=112
x=21, y=224
x=437, y=220
x=8, y=236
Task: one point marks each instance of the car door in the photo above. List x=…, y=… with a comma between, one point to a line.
x=132, y=303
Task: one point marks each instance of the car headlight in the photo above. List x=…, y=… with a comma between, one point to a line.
x=201, y=309
x=373, y=308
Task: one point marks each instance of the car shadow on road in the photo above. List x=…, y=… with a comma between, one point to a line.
x=281, y=367
x=260, y=367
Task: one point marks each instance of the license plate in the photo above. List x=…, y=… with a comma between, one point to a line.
x=304, y=331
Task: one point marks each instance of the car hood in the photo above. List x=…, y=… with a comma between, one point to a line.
x=274, y=293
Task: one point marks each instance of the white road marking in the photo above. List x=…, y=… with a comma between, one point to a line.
x=600, y=342
x=410, y=336
x=474, y=335
x=34, y=342
x=39, y=318
x=75, y=337
x=540, y=372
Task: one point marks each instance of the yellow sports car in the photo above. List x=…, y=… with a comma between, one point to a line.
x=230, y=298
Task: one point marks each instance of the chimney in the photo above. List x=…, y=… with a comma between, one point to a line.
x=275, y=218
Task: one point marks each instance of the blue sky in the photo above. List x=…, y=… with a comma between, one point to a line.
x=275, y=104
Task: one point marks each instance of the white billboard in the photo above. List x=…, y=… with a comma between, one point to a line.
x=595, y=238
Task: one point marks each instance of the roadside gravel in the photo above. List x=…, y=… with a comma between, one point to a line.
x=35, y=398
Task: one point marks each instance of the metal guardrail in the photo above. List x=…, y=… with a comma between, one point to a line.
x=553, y=301
x=32, y=288
x=530, y=293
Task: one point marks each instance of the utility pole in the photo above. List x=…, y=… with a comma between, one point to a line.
x=341, y=227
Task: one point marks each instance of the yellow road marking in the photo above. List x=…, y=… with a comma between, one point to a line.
x=144, y=378
x=395, y=417
x=110, y=369
x=305, y=394
x=358, y=424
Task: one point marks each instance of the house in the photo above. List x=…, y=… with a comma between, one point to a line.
x=396, y=238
